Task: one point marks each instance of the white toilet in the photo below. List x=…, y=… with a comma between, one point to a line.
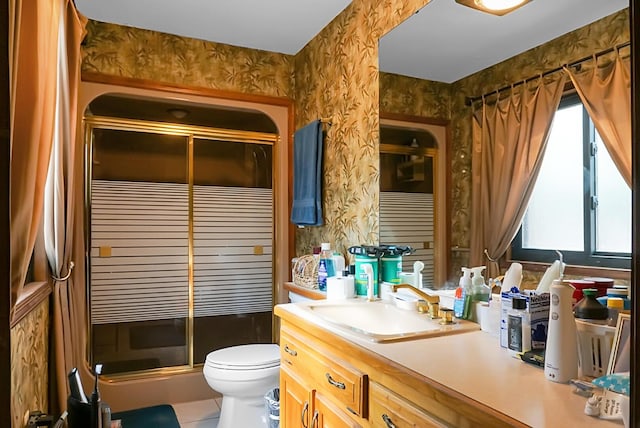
x=243, y=375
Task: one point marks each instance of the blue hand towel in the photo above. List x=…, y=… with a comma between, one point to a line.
x=307, y=175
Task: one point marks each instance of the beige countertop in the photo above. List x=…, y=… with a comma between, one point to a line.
x=474, y=364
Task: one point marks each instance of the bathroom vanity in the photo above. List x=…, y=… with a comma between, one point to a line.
x=331, y=377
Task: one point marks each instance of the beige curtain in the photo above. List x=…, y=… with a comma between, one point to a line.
x=509, y=139
x=33, y=52
x=606, y=94
x=60, y=209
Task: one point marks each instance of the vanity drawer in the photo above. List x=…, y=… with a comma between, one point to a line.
x=337, y=379
x=387, y=410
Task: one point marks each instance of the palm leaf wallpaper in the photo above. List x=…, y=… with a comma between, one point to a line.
x=336, y=75
x=29, y=365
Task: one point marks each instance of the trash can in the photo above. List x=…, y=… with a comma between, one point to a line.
x=272, y=405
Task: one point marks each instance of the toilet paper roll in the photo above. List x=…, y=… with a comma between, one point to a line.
x=340, y=287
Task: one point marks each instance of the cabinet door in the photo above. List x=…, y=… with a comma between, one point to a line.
x=389, y=410
x=294, y=401
x=328, y=415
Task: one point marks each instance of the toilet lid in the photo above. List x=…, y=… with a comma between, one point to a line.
x=244, y=357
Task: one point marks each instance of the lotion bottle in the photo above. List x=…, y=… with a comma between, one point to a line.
x=561, y=353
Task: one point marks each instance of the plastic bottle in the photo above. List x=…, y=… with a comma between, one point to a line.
x=338, y=262
x=480, y=292
x=561, y=354
x=589, y=308
x=620, y=291
x=325, y=266
x=462, y=295
x=614, y=306
x=518, y=327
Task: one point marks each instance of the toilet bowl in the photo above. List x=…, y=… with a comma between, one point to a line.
x=243, y=375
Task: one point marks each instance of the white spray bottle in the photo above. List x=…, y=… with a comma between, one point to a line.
x=561, y=353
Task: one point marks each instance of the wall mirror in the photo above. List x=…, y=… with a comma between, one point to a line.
x=413, y=191
x=427, y=71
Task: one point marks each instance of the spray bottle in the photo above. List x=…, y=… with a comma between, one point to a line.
x=561, y=353
x=463, y=294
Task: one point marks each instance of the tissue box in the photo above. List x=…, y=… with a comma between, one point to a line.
x=537, y=311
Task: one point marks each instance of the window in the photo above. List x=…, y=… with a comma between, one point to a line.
x=580, y=204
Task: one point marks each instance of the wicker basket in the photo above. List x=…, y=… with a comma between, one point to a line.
x=305, y=272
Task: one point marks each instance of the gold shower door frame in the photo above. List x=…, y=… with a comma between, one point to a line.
x=191, y=133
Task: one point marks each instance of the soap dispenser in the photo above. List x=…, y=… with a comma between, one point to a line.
x=463, y=295
x=480, y=291
x=561, y=353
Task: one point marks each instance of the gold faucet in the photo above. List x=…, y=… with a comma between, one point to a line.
x=433, y=302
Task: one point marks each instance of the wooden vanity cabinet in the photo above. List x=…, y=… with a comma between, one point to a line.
x=316, y=388
x=326, y=381
x=303, y=406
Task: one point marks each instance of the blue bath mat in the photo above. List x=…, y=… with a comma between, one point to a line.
x=162, y=416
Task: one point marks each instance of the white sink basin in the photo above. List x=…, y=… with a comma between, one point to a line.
x=384, y=322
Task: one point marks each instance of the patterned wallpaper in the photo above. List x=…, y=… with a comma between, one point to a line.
x=336, y=76
x=130, y=52
x=29, y=364
x=414, y=97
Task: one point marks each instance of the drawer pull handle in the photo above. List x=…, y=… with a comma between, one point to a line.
x=387, y=420
x=314, y=421
x=303, y=416
x=335, y=383
x=290, y=351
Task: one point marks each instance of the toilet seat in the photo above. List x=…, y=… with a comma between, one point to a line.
x=245, y=357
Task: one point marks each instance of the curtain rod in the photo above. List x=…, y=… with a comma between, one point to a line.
x=470, y=100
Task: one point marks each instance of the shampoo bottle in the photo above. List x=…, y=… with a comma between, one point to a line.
x=561, y=354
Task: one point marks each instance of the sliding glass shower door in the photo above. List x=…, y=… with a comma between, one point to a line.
x=181, y=242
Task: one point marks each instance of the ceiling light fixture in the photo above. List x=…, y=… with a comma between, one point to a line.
x=495, y=7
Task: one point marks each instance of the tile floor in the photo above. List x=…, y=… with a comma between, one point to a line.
x=198, y=414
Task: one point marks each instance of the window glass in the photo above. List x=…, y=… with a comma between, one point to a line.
x=580, y=204
x=613, y=212
x=554, y=219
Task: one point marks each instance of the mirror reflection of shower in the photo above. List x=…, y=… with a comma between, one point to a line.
x=408, y=164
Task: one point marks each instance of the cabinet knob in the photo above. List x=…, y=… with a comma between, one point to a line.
x=314, y=421
x=387, y=420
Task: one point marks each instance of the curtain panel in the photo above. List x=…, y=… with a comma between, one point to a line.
x=60, y=206
x=33, y=47
x=606, y=94
x=509, y=139
x=44, y=42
